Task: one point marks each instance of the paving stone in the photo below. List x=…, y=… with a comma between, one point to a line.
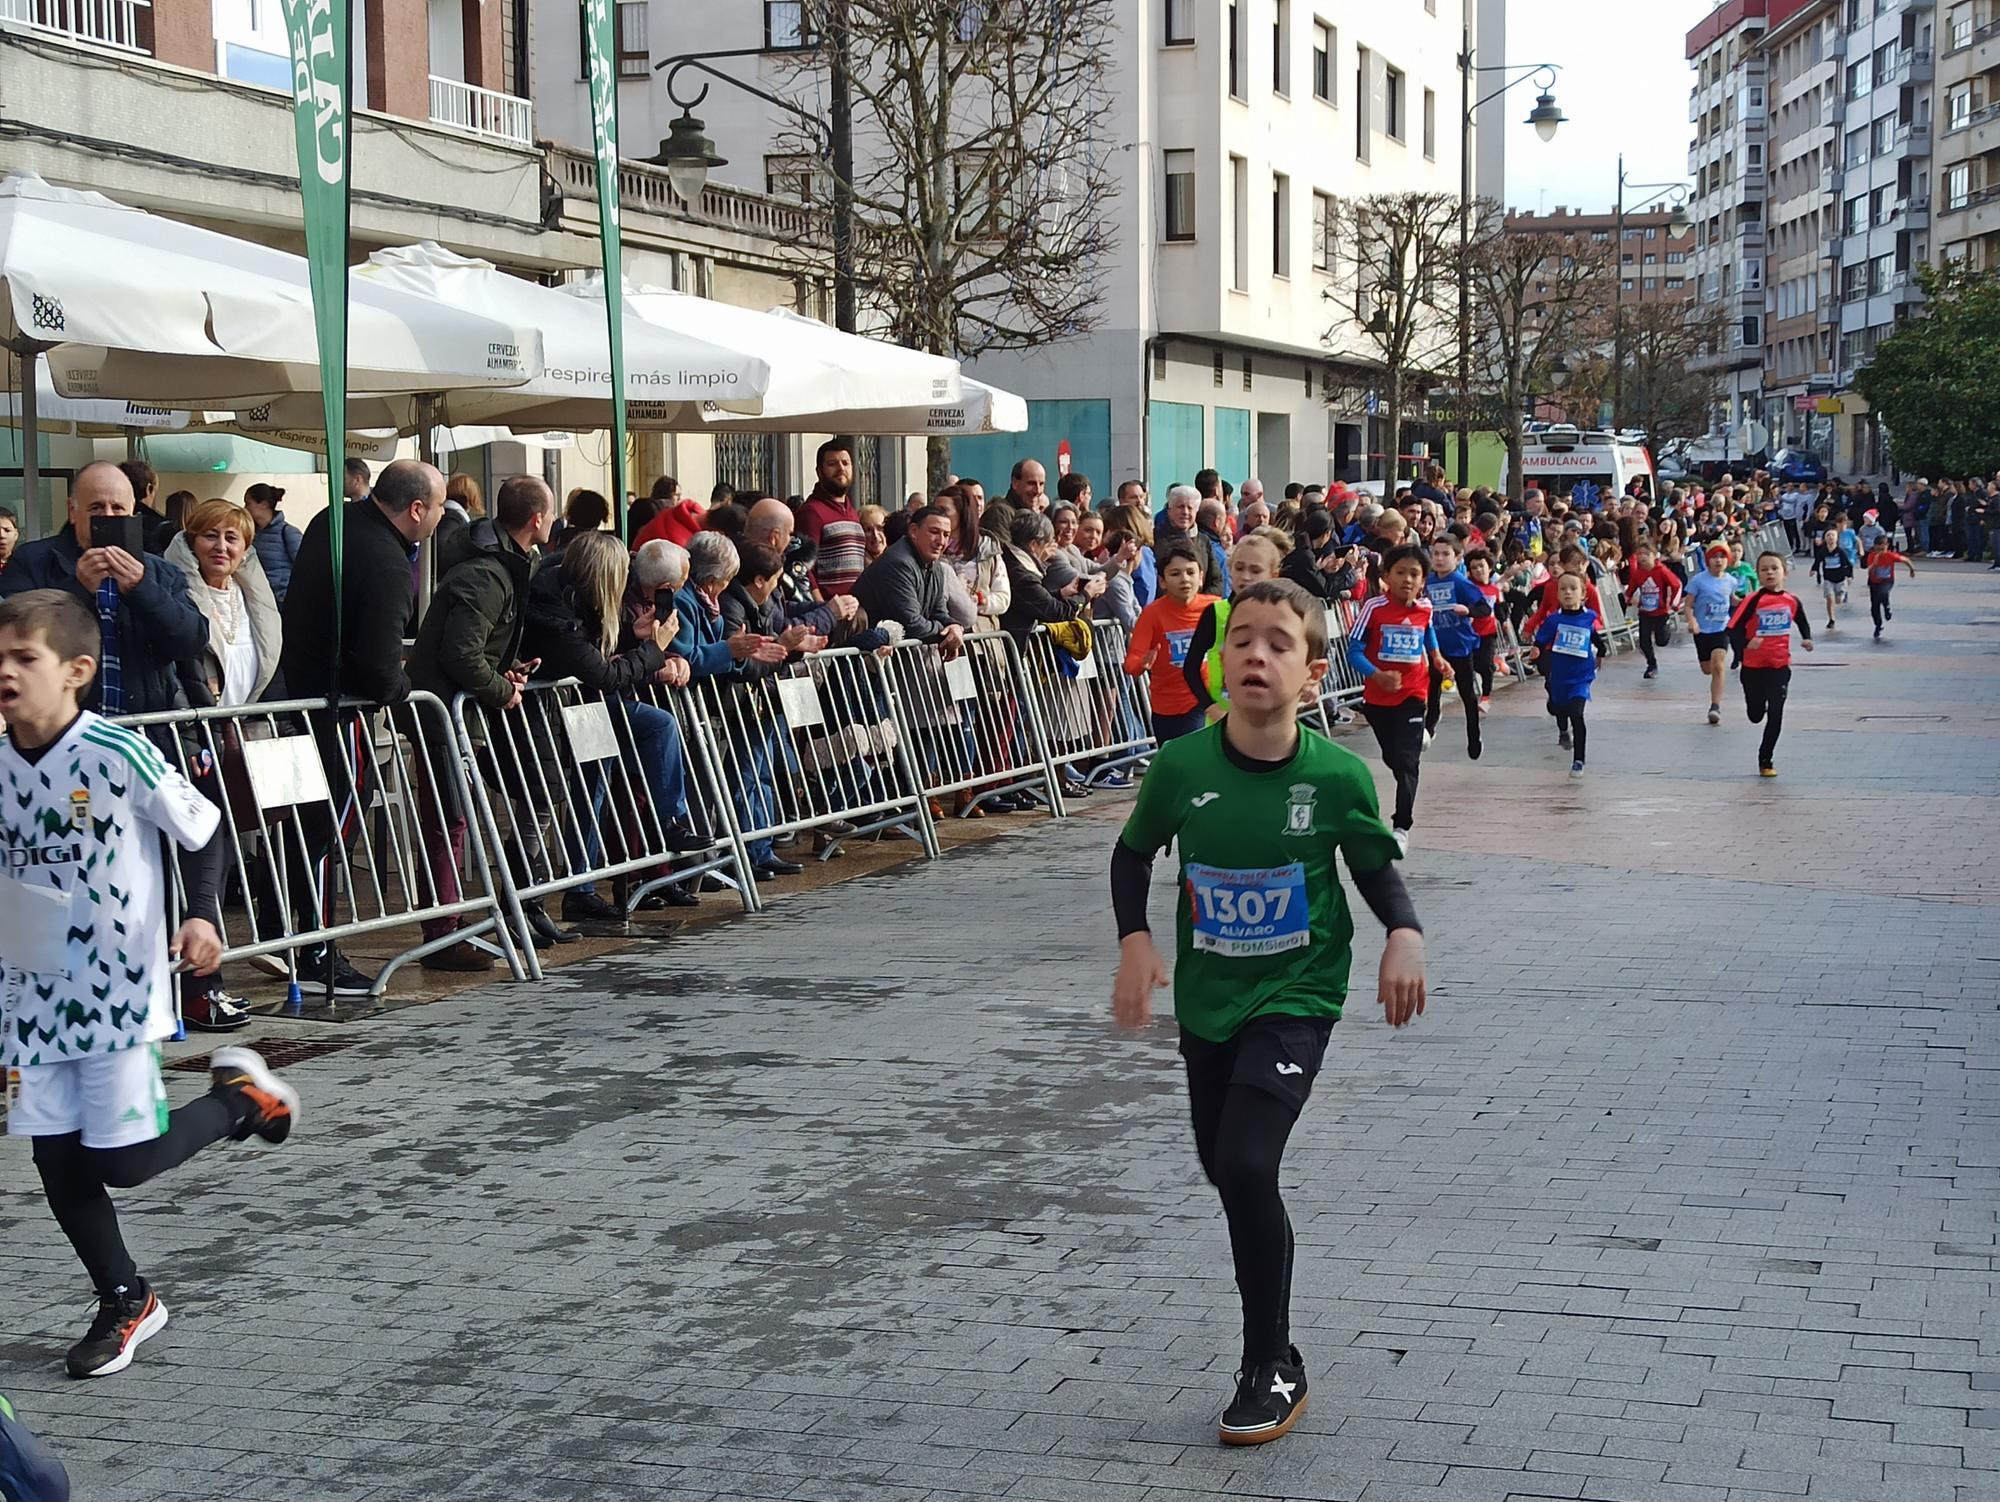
x=1682, y=1192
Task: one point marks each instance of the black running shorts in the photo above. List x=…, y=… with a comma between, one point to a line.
x=1708, y=643
x=1277, y=1054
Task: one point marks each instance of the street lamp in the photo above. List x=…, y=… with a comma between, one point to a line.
x=1677, y=226
x=1546, y=116
x=688, y=154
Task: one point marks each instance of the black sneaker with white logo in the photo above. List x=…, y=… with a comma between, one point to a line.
x=1270, y=1396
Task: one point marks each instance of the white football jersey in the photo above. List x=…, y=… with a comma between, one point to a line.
x=80, y=848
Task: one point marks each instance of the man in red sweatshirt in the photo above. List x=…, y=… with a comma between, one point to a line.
x=830, y=520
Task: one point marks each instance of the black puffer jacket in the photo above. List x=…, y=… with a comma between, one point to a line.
x=563, y=632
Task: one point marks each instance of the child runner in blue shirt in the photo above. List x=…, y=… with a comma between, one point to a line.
x=1568, y=644
x=1707, y=601
x=1456, y=602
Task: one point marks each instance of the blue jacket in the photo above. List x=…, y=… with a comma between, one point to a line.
x=1145, y=578
x=1569, y=674
x=703, y=639
x=277, y=545
x=158, y=623
x=1455, y=635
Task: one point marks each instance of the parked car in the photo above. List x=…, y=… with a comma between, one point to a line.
x=1800, y=465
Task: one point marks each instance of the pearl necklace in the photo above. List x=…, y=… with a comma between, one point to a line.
x=228, y=609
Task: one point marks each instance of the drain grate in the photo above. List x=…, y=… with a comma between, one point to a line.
x=278, y=1054
x=1918, y=719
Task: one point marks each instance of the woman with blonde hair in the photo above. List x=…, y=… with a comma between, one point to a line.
x=572, y=625
x=227, y=584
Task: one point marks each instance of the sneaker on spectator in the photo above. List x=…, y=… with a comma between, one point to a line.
x=272, y=964
x=214, y=1011
x=773, y=868
x=1118, y=781
x=314, y=965
x=839, y=829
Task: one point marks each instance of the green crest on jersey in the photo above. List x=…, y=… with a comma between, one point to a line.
x=1300, y=808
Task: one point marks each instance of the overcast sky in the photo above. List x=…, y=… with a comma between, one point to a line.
x=1624, y=85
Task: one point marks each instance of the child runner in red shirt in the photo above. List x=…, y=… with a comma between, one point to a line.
x=1656, y=590
x=1479, y=569
x=1882, y=561
x=1762, y=626
x=1395, y=650
x=1160, y=640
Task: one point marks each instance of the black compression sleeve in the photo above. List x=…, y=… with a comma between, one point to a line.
x=1131, y=878
x=1387, y=898
x=1197, y=654
x=1802, y=618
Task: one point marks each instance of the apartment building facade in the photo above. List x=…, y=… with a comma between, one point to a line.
x=1728, y=109
x=1965, y=200
x=1803, y=52
x=1234, y=125
x=1652, y=263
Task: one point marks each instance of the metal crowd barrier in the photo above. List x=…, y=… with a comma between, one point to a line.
x=1092, y=714
x=977, y=730
x=561, y=784
x=324, y=811
x=817, y=746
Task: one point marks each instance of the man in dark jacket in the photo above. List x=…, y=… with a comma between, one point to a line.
x=379, y=539
x=148, y=620
x=1178, y=524
x=907, y=584
x=469, y=643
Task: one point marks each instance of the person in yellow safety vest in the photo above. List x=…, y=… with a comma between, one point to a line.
x=1256, y=558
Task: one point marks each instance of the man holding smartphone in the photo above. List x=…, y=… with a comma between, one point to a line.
x=142, y=604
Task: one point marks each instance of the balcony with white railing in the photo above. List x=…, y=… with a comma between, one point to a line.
x=483, y=112
x=121, y=25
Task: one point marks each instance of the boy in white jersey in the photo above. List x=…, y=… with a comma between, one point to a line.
x=86, y=964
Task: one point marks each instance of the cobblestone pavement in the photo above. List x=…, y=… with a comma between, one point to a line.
x=1684, y=1192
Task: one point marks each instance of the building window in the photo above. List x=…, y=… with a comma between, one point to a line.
x=1180, y=23
x=1239, y=228
x=1281, y=48
x=1651, y=283
x=1281, y=224
x=1957, y=185
x=1249, y=374
x=1675, y=283
x=789, y=177
x=1958, y=108
x=635, y=57
x=1431, y=124
x=1235, y=50
x=1324, y=39
x=1600, y=236
x=1362, y=60
x=1652, y=232
x=1180, y=195
x=1626, y=283
x=1860, y=78
x=1218, y=370
x=1392, y=103
x=785, y=25
x=1323, y=232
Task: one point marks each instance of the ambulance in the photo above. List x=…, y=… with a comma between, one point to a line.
x=1588, y=466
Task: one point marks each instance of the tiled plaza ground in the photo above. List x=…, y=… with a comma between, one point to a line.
x=1685, y=1191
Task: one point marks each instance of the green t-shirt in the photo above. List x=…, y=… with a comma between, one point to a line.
x=1262, y=919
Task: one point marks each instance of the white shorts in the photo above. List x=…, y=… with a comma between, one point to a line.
x=1835, y=593
x=113, y=1099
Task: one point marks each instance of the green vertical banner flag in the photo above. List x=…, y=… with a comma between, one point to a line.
x=318, y=31
x=599, y=17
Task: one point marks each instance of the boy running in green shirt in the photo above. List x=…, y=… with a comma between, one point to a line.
x=1265, y=944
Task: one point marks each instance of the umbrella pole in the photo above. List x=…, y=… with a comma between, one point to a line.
x=31, y=435
x=427, y=418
